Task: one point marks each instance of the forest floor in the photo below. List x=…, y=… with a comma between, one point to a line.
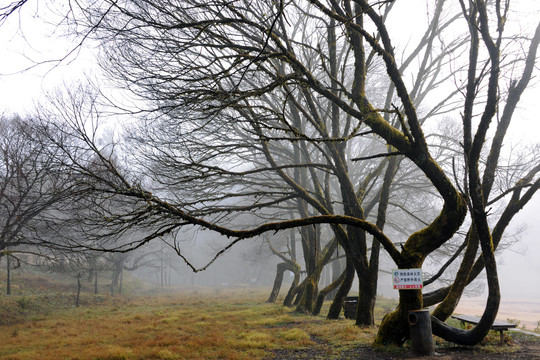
x=39, y=321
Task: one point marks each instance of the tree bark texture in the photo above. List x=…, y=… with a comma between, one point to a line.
x=306, y=302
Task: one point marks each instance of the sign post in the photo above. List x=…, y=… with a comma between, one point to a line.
x=419, y=320
x=407, y=279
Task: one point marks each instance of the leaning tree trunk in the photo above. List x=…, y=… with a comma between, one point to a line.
x=287, y=264
x=449, y=304
x=298, y=293
x=480, y=226
x=337, y=303
x=307, y=299
x=337, y=268
x=479, y=332
x=280, y=270
x=288, y=301
x=327, y=291
x=480, y=191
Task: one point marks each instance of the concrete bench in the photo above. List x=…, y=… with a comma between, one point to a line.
x=499, y=326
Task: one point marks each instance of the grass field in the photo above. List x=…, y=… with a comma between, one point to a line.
x=193, y=324
x=202, y=325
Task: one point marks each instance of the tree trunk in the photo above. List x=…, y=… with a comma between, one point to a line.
x=280, y=269
x=326, y=292
x=337, y=270
x=288, y=301
x=337, y=303
x=306, y=303
x=117, y=271
x=8, y=275
x=367, y=295
x=306, y=300
x=395, y=326
x=299, y=292
x=477, y=334
x=448, y=305
x=95, y=281
x=161, y=271
x=121, y=280
x=368, y=277
x=77, y=300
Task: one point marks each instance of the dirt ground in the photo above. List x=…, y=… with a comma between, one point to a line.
x=518, y=349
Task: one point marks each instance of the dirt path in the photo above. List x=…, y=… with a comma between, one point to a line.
x=525, y=348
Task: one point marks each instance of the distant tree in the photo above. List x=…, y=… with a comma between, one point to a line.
x=31, y=186
x=144, y=257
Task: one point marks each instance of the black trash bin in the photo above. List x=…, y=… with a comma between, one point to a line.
x=349, y=307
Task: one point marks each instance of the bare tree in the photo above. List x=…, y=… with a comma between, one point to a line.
x=231, y=79
x=31, y=187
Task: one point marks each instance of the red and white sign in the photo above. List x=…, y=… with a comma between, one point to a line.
x=404, y=279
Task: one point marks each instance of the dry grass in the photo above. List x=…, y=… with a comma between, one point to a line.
x=196, y=324
x=191, y=325
x=236, y=325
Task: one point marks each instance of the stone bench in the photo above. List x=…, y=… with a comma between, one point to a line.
x=500, y=326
